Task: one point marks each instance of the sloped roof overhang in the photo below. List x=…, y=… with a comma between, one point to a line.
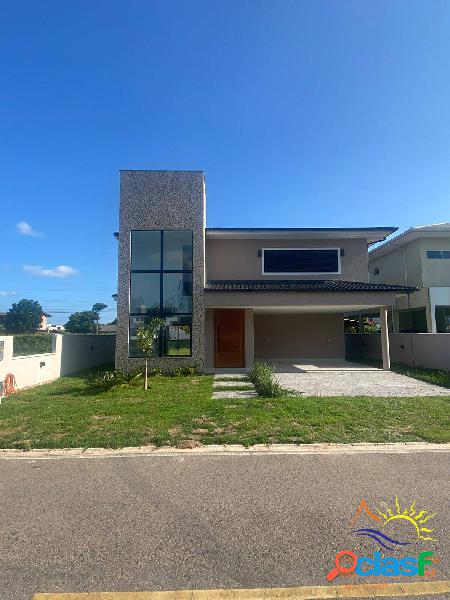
x=301, y=296
x=371, y=234
x=410, y=235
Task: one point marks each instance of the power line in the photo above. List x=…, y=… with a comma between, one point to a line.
x=21, y=289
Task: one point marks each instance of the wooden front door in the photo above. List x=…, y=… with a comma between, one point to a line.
x=228, y=338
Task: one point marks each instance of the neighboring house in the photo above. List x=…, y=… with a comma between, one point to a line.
x=55, y=328
x=419, y=257
x=233, y=295
x=46, y=326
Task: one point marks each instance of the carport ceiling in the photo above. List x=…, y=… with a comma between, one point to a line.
x=312, y=309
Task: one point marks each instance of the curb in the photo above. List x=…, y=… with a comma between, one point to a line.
x=227, y=450
x=318, y=592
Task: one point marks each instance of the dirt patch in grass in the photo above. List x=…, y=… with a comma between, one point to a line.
x=57, y=437
x=174, y=431
x=25, y=444
x=188, y=444
x=106, y=418
x=7, y=431
x=204, y=420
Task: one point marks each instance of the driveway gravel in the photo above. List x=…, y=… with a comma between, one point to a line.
x=350, y=379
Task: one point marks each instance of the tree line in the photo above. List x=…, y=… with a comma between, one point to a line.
x=26, y=315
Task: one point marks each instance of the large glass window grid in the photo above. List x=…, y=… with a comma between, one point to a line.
x=161, y=286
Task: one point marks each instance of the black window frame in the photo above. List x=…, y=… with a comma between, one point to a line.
x=411, y=314
x=441, y=314
x=164, y=314
x=338, y=255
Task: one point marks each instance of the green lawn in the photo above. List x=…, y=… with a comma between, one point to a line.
x=179, y=411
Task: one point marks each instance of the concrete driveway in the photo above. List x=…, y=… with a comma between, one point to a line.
x=341, y=378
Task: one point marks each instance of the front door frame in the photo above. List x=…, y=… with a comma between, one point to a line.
x=217, y=312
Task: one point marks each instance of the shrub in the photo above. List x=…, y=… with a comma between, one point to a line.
x=186, y=371
x=103, y=381
x=25, y=344
x=262, y=375
x=155, y=372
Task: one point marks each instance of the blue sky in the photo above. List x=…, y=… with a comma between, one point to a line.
x=301, y=113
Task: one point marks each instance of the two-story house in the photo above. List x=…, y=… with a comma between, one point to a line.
x=229, y=296
x=419, y=257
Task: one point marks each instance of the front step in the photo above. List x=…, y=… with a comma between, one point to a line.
x=240, y=381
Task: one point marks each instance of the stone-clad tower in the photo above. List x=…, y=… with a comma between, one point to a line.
x=161, y=266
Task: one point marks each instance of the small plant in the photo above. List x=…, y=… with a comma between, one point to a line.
x=145, y=339
x=262, y=375
x=129, y=379
x=187, y=371
x=156, y=371
x=104, y=381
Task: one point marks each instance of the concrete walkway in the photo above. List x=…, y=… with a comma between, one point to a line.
x=342, y=378
x=222, y=380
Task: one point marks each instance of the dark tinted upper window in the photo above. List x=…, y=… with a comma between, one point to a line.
x=177, y=252
x=146, y=250
x=438, y=253
x=291, y=261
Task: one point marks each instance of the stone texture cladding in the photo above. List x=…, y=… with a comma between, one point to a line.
x=161, y=200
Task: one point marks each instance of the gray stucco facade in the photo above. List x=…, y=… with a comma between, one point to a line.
x=164, y=200
x=231, y=327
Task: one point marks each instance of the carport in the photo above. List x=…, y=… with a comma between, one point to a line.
x=287, y=319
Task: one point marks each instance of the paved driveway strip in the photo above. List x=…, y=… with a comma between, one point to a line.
x=163, y=522
x=341, y=378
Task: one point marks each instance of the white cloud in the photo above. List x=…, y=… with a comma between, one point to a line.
x=7, y=293
x=25, y=228
x=61, y=271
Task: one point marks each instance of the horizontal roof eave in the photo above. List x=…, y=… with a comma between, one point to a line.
x=372, y=234
x=410, y=235
x=302, y=285
x=161, y=171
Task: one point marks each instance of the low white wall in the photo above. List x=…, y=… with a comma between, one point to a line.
x=85, y=351
x=70, y=353
x=431, y=350
x=32, y=369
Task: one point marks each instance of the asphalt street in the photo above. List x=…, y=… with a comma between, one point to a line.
x=192, y=521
